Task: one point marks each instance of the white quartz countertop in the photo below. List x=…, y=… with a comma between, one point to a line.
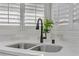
x=67, y=50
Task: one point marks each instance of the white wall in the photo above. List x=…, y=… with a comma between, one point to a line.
x=14, y=33
x=7, y=32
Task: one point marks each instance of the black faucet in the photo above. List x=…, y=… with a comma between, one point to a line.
x=37, y=27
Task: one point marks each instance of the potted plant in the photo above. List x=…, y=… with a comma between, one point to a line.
x=47, y=25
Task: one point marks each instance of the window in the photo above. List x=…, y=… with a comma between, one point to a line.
x=14, y=14
x=9, y=14
x=3, y=13
x=62, y=13
x=76, y=13
x=33, y=11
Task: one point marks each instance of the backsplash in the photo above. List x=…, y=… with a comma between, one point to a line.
x=13, y=33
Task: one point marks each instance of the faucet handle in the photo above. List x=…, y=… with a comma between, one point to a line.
x=44, y=37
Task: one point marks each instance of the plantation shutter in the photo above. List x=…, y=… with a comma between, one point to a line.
x=76, y=16
x=76, y=13
x=33, y=11
x=14, y=13
x=62, y=13
x=3, y=13
x=9, y=14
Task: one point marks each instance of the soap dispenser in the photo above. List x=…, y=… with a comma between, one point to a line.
x=53, y=41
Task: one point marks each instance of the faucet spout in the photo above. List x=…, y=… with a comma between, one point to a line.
x=37, y=27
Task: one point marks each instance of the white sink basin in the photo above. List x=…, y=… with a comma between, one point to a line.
x=47, y=48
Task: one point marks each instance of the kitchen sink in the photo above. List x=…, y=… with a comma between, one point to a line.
x=47, y=48
x=34, y=47
x=22, y=45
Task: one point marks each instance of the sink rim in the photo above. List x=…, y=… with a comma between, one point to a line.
x=36, y=45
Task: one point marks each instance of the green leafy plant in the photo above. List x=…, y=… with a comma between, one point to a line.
x=48, y=24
